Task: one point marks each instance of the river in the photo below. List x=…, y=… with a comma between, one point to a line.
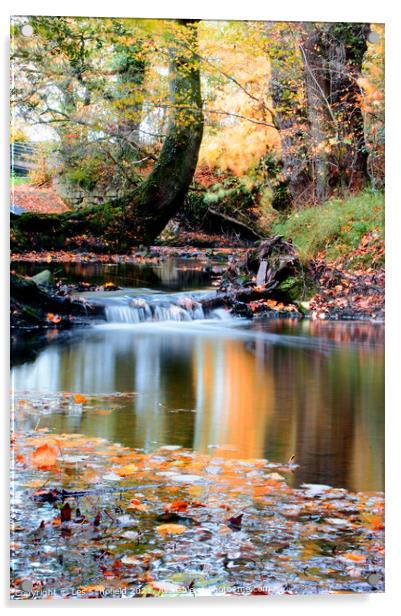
x=264, y=389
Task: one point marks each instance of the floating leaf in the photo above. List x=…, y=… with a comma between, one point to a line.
x=53, y=318
x=44, y=457
x=355, y=557
x=128, y=469
x=130, y=560
x=176, y=505
x=79, y=399
x=171, y=529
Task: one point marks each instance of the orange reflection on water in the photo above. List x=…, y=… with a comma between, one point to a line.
x=235, y=402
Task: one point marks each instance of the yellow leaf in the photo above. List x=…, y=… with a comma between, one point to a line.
x=171, y=529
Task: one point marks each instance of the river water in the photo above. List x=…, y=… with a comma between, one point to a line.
x=268, y=389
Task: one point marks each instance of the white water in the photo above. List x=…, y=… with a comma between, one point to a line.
x=158, y=308
x=183, y=314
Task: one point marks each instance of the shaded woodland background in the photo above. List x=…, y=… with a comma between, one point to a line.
x=218, y=125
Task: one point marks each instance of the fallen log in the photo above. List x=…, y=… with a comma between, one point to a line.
x=230, y=298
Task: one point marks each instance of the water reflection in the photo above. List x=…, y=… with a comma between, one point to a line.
x=174, y=274
x=233, y=388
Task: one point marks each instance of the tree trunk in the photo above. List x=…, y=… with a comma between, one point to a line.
x=289, y=173
x=160, y=197
x=345, y=49
x=139, y=217
x=333, y=56
x=316, y=88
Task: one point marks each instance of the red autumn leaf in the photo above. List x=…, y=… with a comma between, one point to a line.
x=65, y=513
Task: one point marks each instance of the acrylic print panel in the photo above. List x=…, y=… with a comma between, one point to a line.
x=197, y=307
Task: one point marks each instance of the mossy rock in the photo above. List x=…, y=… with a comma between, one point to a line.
x=292, y=288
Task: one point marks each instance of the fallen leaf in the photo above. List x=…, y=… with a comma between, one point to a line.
x=65, y=514
x=79, y=399
x=355, y=557
x=128, y=469
x=86, y=589
x=235, y=522
x=176, y=505
x=171, y=529
x=53, y=318
x=44, y=457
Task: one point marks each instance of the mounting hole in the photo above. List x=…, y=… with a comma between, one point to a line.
x=373, y=37
x=26, y=30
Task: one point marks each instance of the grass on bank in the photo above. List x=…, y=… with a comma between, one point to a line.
x=17, y=180
x=336, y=227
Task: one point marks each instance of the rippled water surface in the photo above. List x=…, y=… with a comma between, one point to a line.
x=268, y=389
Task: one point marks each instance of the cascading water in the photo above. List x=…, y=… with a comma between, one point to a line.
x=157, y=308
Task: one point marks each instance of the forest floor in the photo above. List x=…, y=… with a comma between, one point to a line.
x=41, y=200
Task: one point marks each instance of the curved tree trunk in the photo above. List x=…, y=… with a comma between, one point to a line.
x=139, y=217
x=159, y=198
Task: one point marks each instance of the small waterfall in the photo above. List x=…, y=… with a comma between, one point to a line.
x=156, y=308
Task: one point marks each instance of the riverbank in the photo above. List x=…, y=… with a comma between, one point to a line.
x=338, y=293
x=341, y=243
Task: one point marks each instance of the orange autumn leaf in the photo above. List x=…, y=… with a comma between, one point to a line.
x=44, y=457
x=262, y=490
x=85, y=589
x=177, y=505
x=53, y=318
x=375, y=522
x=128, y=469
x=273, y=483
x=171, y=529
x=197, y=503
x=140, y=508
x=79, y=399
x=355, y=557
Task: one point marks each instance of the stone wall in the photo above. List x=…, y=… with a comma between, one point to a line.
x=77, y=197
